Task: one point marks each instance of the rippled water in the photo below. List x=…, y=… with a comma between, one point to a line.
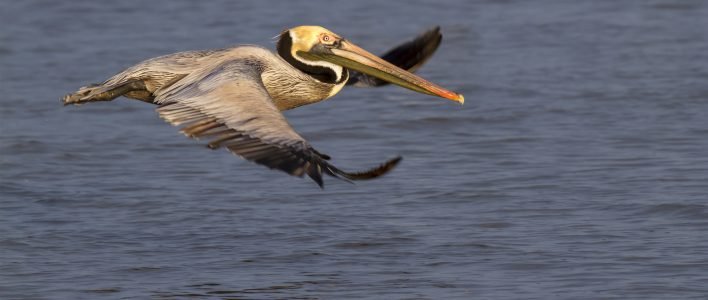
x=577, y=169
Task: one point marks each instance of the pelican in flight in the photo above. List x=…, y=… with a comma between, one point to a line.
x=234, y=96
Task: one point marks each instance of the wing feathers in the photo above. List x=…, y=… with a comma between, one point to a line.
x=230, y=106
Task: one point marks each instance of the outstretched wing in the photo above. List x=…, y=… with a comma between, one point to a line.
x=229, y=105
x=409, y=56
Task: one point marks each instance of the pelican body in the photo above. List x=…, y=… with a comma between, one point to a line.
x=234, y=96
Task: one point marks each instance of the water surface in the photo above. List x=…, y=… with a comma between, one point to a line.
x=577, y=169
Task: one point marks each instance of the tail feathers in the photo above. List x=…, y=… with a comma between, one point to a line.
x=85, y=94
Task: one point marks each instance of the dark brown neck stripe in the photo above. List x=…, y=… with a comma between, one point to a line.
x=320, y=73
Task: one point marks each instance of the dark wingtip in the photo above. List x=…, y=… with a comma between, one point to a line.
x=409, y=56
x=315, y=173
x=432, y=39
x=372, y=173
x=434, y=31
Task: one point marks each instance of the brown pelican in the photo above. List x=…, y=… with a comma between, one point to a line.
x=234, y=96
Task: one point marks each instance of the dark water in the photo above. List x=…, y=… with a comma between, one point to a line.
x=578, y=169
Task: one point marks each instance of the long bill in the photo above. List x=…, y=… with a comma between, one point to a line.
x=353, y=57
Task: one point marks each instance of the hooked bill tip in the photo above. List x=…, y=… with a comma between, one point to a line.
x=452, y=96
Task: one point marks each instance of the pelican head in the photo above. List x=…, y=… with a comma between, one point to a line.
x=327, y=56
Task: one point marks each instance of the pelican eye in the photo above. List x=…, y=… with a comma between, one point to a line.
x=328, y=39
